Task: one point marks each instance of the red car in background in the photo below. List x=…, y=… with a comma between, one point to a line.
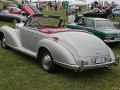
x=14, y=10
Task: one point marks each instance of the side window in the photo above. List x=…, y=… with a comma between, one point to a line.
x=116, y=10
x=82, y=22
x=89, y=23
x=28, y=23
x=33, y=23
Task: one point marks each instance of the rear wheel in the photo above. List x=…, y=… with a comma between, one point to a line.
x=46, y=61
x=3, y=42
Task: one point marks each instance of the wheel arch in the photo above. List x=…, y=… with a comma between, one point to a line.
x=40, y=51
x=1, y=35
x=60, y=53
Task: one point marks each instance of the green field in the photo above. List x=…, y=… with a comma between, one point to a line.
x=21, y=72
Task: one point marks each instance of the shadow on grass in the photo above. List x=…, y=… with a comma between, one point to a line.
x=26, y=57
x=114, y=46
x=70, y=74
x=85, y=73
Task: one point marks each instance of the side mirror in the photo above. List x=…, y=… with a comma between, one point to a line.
x=117, y=60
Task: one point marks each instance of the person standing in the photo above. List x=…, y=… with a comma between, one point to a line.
x=5, y=6
x=65, y=6
x=56, y=8
x=40, y=6
x=50, y=5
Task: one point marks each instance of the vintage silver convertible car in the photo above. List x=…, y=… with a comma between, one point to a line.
x=54, y=45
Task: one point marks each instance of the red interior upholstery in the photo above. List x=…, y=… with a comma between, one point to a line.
x=51, y=30
x=14, y=12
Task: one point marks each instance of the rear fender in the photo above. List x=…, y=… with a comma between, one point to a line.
x=60, y=53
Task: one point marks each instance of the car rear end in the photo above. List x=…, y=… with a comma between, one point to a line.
x=112, y=37
x=91, y=52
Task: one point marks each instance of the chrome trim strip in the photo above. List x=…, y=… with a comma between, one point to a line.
x=108, y=41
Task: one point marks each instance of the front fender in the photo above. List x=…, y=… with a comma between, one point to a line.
x=11, y=36
x=59, y=52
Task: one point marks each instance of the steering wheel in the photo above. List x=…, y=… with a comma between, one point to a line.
x=36, y=24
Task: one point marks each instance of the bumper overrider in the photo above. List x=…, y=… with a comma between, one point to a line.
x=82, y=67
x=117, y=60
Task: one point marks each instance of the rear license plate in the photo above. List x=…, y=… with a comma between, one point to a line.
x=99, y=60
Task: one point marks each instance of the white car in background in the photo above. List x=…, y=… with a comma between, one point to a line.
x=116, y=11
x=73, y=9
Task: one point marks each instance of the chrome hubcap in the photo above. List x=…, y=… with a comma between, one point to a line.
x=46, y=61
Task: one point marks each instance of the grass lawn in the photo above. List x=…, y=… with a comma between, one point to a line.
x=21, y=72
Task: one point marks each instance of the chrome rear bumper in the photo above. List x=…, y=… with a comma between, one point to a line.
x=82, y=67
x=99, y=65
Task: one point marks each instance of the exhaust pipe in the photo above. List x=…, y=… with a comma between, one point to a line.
x=117, y=60
x=81, y=65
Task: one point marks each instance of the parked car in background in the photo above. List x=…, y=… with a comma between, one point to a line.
x=117, y=24
x=6, y=16
x=28, y=10
x=16, y=10
x=25, y=10
x=42, y=37
x=102, y=28
x=96, y=12
x=116, y=11
x=73, y=9
x=75, y=6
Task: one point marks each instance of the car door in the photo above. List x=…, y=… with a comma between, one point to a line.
x=30, y=37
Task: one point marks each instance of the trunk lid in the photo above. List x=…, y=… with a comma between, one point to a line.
x=85, y=44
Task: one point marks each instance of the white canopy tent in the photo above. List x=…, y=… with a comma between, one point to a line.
x=76, y=2
x=109, y=1
x=87, y=1
x=81, y=3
